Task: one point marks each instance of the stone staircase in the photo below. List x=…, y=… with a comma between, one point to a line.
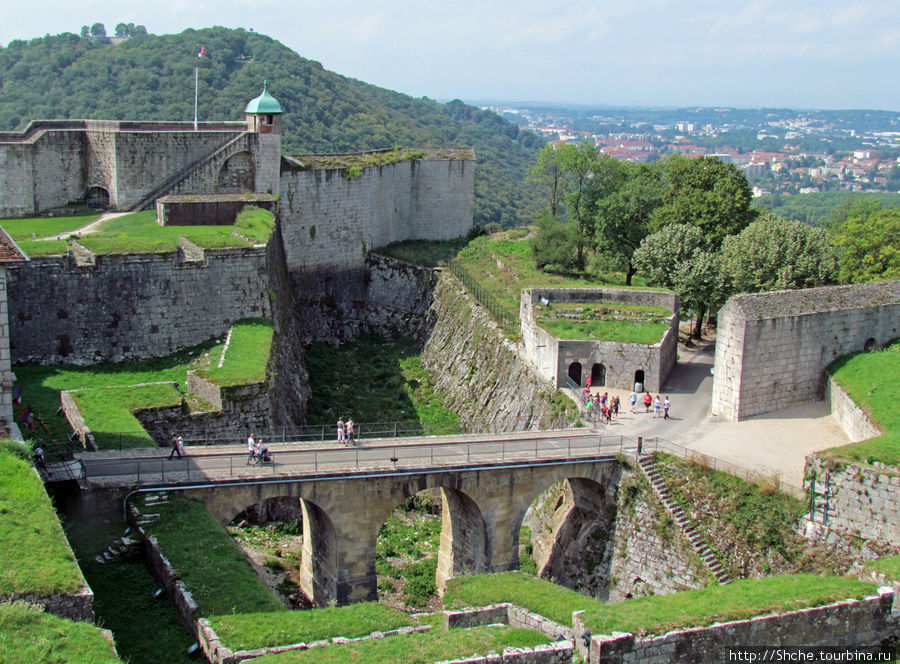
x=172, y=183
x=683, y=520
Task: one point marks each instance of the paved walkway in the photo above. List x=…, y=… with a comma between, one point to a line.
x=774, y=444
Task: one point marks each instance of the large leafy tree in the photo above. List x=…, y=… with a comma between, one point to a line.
x=680, y=258
x=623, y=215
x=706, y=193
x=775, y=254
x=869, y=246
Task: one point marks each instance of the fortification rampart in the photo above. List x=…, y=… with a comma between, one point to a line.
x=623, y=364
x=130, y=306
x=330, y=221
x=53, y=162
x=772, y=348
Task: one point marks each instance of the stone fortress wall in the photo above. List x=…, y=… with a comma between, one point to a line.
x=551, y=357
x=127, y=307
x=772, y=348
x=54, y=162
x=330, y=221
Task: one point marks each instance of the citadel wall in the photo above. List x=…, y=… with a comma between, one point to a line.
x=772, y=348
x=53, y=162
x=130, y=306
x=329, y=222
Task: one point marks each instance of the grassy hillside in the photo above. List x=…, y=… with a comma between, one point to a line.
x=151, y=77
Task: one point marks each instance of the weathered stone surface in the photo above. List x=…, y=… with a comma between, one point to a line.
x=772, y=348
x=478, y=371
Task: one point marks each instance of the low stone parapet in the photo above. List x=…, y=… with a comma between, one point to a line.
x=851, y=623
x=551, y=653
x=506, y=614
x=77, y=606
x=855, y=422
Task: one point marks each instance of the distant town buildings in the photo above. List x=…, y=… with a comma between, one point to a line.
x=797, y=152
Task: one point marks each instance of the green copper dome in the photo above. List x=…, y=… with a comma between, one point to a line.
x=265, y=103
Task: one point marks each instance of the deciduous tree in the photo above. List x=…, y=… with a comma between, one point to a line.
x=706, y=193
x=775, y=254
x=679, y=257
x=869, y=246
x=623, y=215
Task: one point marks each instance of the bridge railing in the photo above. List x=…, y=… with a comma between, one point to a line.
x=322, y=433
x=401, y=458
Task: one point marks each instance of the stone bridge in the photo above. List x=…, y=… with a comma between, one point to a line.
x=482, y=513
x=346, y=494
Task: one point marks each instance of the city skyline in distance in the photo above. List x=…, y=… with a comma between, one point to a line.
x=658, y=53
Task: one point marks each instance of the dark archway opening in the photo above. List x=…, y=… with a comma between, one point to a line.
x=639, y=380
x=598, y=375
x=870, y=345
x=575, y=373
x=97, y=198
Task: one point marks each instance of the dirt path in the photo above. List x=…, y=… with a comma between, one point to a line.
x=90, y=228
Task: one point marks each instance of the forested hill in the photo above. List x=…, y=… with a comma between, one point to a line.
x=151, y=77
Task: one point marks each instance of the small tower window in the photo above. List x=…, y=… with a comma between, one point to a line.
x=270, y=119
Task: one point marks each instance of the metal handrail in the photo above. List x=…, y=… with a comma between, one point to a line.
x=658, y=444
x=355, y=459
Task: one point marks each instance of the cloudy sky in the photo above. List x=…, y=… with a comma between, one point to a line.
x=793, y=53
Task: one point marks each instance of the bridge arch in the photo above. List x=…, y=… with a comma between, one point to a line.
x=464, y=539
x=318, y=562
x=572, y=547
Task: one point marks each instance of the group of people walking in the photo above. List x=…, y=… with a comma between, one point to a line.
x=660, y=408
x=345, y=432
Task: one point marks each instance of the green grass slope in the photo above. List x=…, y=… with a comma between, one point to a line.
x=873, y=382
x=35, y=556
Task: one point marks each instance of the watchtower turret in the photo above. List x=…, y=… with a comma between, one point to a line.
x=263, y=113
x=263, y=116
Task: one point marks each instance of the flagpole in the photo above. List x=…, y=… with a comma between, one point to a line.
x=196, y=69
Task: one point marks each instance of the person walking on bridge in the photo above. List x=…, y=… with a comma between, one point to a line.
x=251, y=448
x=340, y=430
x=350, y=431
x=177, y=447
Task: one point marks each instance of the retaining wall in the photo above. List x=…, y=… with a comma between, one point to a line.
x=855, y=422
x=51, y=162
x=551, y=357
x=772, y=349
x=863, y=498
x=478, y=372
x=850, y=623
x=78, y=606
x=130, y=307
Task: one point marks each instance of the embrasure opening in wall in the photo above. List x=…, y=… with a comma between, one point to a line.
x=598, y=374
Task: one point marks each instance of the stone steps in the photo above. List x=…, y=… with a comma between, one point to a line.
x=683, y=520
